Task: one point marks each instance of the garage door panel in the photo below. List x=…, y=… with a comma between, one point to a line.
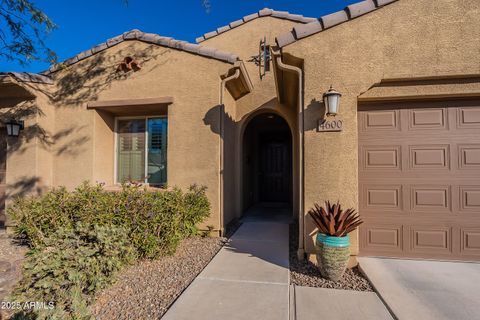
x=468, y=117
x=429, y=156
x=381, y=120
x=431, y=239
x=430, y=118
x=383, y=238
x=430, y=198
x=469, y=156
x=419, y=180
x=382, y=197
x=470, y=198
x=470, y=243
x=381, y=157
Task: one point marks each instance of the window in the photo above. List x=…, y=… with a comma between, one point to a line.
x=142, y=150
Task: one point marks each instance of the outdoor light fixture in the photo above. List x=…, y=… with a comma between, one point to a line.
x=14, y=127
x=331, y=98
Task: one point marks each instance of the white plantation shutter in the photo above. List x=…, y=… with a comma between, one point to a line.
x=131, y=150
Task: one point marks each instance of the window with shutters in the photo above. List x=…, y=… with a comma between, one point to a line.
x=142, y=150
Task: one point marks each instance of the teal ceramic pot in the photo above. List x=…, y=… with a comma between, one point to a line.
x=333, y=254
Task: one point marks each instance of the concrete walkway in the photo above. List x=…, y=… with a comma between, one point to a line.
x=247, y=279
x=415, y=289
x=333, y=304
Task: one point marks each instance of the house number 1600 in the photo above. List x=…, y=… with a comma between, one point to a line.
x=325, y=125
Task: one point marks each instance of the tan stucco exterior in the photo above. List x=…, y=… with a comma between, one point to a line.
x=407, y=39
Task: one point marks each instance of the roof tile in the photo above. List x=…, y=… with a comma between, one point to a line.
x=308, y=20
x=148, y=37
x=236, y=23
x=304, y=30
x=210, y=34
x=70, y=61
x=295, y=17
x=207, y=51
x=261, y=13
x=132, y=34
x=163, y=41
x=265, y=12
x=285, y=38
x=383, y=2
x=360, y=8
x=328, y=21
x=192, y=47
x=280, y=14
x=223, y=29
x=333, y=19
x=84, y=54
x=99, y=47
x=115, y=40
x=223, y=55
x=250, y=17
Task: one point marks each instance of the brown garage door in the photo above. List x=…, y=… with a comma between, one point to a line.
x=3, y=167
x=419, y=180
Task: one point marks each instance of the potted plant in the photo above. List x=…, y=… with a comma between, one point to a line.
x=332, y=241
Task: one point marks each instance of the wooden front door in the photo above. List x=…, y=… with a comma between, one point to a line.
x=274, y=172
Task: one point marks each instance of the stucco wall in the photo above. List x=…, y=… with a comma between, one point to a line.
x=29, y=160
x=244, y=41
x=83, y=140
x=409, y=38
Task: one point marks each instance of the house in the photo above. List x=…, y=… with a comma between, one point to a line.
x=242, y=112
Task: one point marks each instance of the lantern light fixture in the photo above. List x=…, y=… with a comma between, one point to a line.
x=14, y=127
x=331, y=98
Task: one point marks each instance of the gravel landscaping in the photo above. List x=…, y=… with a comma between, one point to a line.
x=147, y=289
x=305, y=273
x=11, y=258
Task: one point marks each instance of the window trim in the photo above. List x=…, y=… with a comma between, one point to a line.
x=115, y=141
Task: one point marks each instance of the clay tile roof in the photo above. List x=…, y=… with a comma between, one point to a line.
x=262, y=13
x=152, y=38
x=352, y=11
x=28, y=77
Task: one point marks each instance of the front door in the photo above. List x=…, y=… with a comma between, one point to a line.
x=274, y=172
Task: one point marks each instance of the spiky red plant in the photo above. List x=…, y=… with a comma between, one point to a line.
x=333, y=221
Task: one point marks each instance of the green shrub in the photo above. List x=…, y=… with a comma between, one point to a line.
x=72, y=264
x=79, y=239
x=156, y=220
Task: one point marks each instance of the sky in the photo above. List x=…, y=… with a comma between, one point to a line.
x=84, y=24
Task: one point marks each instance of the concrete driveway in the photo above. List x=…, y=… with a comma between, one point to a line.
x=416, y=289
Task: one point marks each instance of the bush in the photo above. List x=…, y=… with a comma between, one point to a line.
x=79, y=239
x=73, y=264
x=155, y=220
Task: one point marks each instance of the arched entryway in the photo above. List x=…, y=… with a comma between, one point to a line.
x=267, y=162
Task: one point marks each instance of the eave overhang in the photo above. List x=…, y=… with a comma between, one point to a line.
x=425, y=88
x=11, y=88
x=132, y=107
x=240, y=86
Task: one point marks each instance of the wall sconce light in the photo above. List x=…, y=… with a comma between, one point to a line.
x=14, y=127
x=331, y=98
